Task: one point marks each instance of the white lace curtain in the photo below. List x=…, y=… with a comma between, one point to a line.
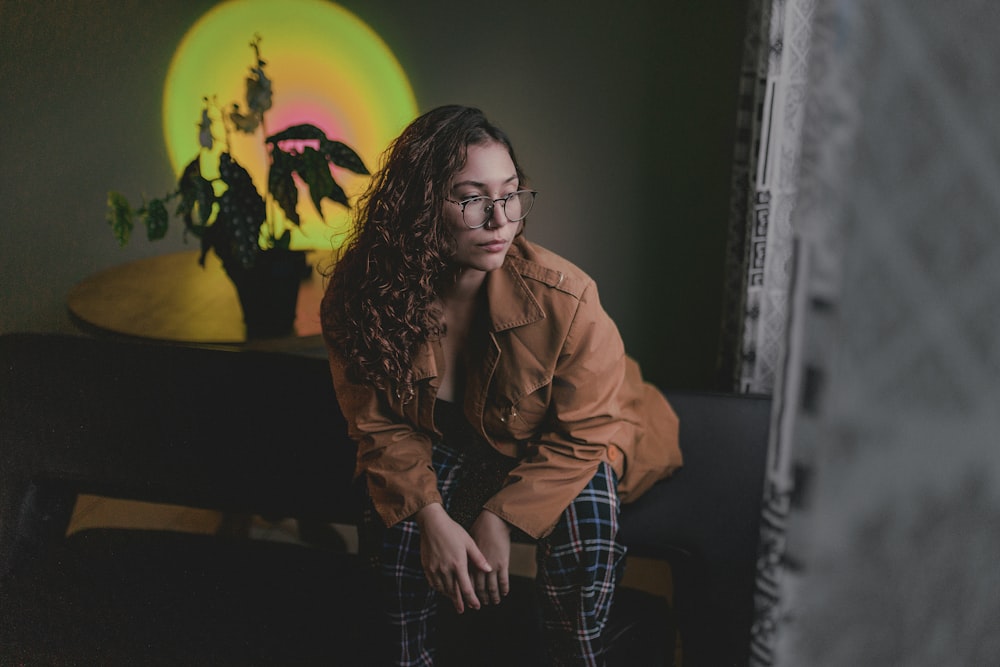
x=773, y=85
x=761, y=255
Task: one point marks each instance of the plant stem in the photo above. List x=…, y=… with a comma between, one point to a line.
x=268, y=199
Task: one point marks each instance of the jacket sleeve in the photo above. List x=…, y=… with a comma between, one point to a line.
x=586, y=424
x=395, y=457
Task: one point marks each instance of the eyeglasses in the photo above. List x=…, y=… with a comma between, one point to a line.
x=477, y=211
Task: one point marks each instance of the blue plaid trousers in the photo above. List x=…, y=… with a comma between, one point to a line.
x=579, y=563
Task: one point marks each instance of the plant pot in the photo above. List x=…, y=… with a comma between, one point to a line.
x=269, y=291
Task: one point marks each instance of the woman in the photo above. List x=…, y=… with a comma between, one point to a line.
x=488, y=392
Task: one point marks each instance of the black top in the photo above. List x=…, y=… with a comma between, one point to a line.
x=483, y=470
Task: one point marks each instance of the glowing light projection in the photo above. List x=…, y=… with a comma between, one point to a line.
x=327, y=67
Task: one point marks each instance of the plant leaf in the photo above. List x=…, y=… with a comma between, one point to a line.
x=205, y=139
x=343, y=156
x=314, y=170
x=303, y=132
x=281, y=184
x=197, y=197
x=120, y=217
x=235, y=234
x=156, y=219
x=258, y=90
x=246, y=124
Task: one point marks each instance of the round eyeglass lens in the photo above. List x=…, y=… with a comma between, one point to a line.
x=519, y=204
x=477, y=211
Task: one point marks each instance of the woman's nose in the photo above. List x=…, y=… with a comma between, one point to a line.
x=497, y=216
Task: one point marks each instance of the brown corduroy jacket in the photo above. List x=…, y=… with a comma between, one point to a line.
x=549, y=384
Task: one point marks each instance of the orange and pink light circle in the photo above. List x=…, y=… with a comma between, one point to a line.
x=327, y=68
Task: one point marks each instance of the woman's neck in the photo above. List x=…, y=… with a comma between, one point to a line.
x=459, y=302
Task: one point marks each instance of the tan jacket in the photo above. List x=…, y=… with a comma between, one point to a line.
x=550, y=385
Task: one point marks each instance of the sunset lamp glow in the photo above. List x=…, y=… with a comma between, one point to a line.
x=327, y=67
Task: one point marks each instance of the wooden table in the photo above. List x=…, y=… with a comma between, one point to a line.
x=173, y=298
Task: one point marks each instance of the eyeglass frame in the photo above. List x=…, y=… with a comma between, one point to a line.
x=492, y=205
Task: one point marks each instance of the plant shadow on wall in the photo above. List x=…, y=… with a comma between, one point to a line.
x=219, y=203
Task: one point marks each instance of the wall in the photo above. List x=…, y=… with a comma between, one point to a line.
x=623, y=116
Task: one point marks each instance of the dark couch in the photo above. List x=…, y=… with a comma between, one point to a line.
x=259, y=433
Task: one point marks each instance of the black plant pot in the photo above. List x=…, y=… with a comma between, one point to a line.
x=269, y=291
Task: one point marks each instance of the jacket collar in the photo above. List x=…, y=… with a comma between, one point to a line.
x=425, y=362
x=511, y=303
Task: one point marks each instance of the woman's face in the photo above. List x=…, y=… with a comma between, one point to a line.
x=490, y=172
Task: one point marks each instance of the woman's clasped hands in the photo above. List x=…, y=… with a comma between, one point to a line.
x=471, y=568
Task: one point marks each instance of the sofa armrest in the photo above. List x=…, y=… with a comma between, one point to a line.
x=705, y=520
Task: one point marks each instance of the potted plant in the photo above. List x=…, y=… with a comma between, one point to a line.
x=218, y=202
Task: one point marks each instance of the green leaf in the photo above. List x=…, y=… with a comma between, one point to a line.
x=247, y=124
x=281, y=184
x=156, y=219
x=314, y=170
x=120, y=217
x=303, y=132
x=205, y=139
x=343, y=156
x=336, y=152
x=258, y=91
x=197, y=197
x=236, y=231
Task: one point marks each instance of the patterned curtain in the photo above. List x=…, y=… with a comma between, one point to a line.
x=762, y=262
x=772, y=91
x=752, y=84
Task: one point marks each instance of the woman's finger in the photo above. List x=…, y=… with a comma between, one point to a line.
x=465, y=589
x=482, y=591
x=503, y=581
x=477, y=558
x=457, y=598
x=493, y=588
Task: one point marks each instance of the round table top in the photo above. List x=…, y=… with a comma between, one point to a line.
x=173, y=298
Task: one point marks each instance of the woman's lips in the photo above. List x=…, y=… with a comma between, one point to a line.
x=493, y=246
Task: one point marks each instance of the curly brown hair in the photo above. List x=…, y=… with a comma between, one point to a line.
x=380, y=304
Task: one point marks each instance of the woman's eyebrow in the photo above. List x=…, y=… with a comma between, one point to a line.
x=477, y=184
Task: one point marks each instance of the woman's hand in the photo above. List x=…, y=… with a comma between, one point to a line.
x=448, y=555
x=492, y=534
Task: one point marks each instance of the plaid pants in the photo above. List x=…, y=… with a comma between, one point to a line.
x=579, y=563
